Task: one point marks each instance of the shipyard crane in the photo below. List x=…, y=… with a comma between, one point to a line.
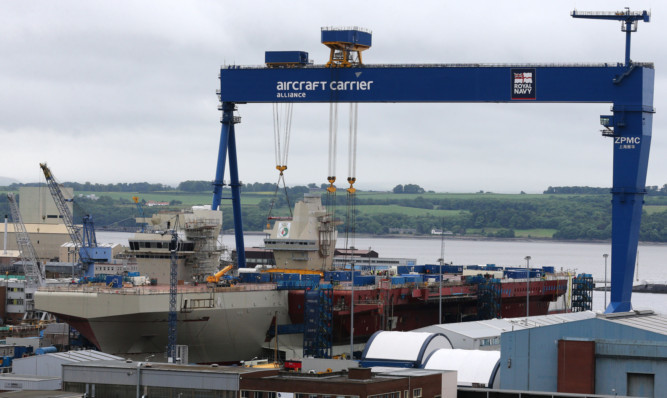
x=629, y=21
x=85, y=242
x=627, y=87
x=140, y=209
x=34, y=273
x=173, y=286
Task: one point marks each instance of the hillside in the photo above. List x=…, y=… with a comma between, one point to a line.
x=545, y=216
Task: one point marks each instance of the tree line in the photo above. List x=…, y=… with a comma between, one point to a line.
x=583, y=214
x=572, y=217
x=578, y=190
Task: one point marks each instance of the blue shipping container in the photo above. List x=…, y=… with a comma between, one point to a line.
x=397, y=280
x=286, y=57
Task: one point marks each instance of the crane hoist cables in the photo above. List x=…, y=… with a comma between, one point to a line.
x=286, y=124
x=352, y=148
x=282, y=125
x=333, y=132
x=352, y=166
x=327, y=236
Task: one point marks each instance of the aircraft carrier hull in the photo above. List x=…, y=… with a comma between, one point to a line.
x=217, y=325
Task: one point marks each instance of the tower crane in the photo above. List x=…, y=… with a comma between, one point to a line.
x=172, y=332
x=34, y=274
x=84, y=242
x=143, y=223
x=629, y=20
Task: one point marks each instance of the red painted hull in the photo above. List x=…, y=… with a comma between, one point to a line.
x=407, y=308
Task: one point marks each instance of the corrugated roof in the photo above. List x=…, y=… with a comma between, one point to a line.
x=553, y=319
x=389, y=371
x=650, y=322
x=494, y=327
x=84, y=356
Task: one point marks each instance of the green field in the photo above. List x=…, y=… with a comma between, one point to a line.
x=538, y=233
x=187, y=198
x=651, y=209
x=461, y=196
x=409, y=211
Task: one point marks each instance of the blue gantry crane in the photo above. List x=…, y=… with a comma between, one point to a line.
x=628, y=87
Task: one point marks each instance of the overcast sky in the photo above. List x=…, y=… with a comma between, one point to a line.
x=124, y=91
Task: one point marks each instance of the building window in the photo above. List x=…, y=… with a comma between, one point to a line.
x=244, y=394
x=394, y=394
x=417, y=393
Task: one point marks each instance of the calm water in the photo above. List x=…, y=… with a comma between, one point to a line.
x=579, y=257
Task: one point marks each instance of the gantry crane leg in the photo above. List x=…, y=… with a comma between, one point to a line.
x=632, y=141
x=228, y=145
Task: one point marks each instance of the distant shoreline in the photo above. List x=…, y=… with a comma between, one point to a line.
x=471, y=238
x=433, y=237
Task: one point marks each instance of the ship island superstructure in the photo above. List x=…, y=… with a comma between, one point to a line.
x=306, y=240
x=198, y=250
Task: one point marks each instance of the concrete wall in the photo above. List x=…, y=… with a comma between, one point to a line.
x=37, y=206
x=46, y=239
x=12, y=382
x=39, y=365
x=529, y=358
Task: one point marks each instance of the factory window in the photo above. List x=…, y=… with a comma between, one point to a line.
x=244, y=394
x=395, y=394
x=417, y=393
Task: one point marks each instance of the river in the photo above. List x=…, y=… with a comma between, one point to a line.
x=574, y=256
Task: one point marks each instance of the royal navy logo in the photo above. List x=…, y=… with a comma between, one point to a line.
x=523, y=84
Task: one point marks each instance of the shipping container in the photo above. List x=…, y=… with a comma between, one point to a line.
x=286, y=58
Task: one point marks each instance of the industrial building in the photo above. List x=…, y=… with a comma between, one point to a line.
x=11, y=382
x=401, y=349
x=614, y=354
x=485, y=335
x=44, y=372
x=42, y=222
x=474, y=368
x=127, y=378
x=356, y=382
x=431, y=351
